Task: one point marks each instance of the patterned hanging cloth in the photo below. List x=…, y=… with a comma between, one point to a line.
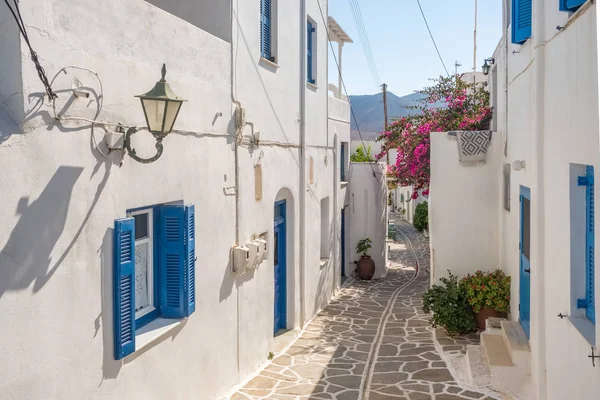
x=472, y=146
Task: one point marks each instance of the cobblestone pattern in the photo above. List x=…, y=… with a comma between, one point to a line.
x=454, y=346
x=372, y=342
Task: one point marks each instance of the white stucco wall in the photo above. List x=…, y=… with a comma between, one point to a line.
x=56, y=236
x=463, y=209
x=368, y=212
x=561, y=368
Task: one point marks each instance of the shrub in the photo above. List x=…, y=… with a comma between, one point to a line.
x=421, y=219
x=491, y=289
x=449, y=306
x=363, y=246
x=361, y=155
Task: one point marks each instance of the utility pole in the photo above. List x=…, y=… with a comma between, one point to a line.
x=475, y=41
x=456, y=65
x=385, y=115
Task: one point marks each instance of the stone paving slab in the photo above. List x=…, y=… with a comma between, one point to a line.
x=372, y=342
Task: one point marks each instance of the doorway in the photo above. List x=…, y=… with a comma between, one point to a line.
x=279, y=261
x=524, y=254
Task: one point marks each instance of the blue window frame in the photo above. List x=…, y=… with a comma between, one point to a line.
x=588, y=303
x=521, y=20
x=265, y=30
x=169, y=230
x=570, y=5
x=309, y=52
x=343, y=162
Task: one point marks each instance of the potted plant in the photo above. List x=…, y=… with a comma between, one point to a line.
x=488, y=294
x=366, y=266
x=448, y=303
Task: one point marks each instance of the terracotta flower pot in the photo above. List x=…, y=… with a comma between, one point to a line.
x=486, y=313
x=366, y=268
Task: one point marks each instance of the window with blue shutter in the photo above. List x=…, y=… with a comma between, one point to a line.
x=309, y=52
x=174, y=258
x=588, y=303
x=521, y=20
x=570, y=5
x=124, y=287
x=265, y=29
x=343, y=162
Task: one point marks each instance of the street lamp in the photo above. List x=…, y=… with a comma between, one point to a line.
x=161, y=107
x=486, y=67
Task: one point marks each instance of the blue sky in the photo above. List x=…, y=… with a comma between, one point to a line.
x=402, y=48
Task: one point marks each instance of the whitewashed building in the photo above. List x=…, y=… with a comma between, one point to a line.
x=530, y=209
x=150, y=280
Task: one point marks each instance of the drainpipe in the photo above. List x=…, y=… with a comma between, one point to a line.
x=302, y=186
x=538, y=339
x=506, y=41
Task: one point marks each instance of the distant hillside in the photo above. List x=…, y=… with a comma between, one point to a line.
x=369, y=111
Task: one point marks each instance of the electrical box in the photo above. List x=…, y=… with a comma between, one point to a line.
x=253, y=249
x=240, y=117
x=115, y=140
x=241, y=259
x=262, y=250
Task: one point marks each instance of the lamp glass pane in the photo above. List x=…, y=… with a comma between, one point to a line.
x=172, y=109
x=155, y=112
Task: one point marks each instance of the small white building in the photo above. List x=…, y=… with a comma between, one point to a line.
x=530, y=209
x=110, y=286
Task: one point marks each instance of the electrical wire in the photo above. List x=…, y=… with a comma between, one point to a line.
x=34, y=57
x=432, y=39
x=372, y=111
x=344, y=85
x=364, y=39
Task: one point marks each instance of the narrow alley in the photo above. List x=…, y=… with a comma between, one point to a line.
x=372, y=342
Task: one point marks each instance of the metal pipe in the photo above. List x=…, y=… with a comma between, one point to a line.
x=302, y=185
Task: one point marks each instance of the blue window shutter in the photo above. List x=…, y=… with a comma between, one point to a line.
x=521, y=20
x=309, y=48
x=589, y=241
x=172, y=261
x=124, y=287
x=265, y=28
x=190, y=304
x=342, y=162
x=570, y=5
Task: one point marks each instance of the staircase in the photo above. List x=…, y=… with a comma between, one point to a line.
x=502, y=361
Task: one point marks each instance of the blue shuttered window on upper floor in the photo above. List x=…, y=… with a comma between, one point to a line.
x=588, y=303
x=570, y=5
x=309, y=52
x=175, y=258
x=265, y=29
x=521, y=20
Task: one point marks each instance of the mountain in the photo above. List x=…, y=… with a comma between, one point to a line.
x=368, y=110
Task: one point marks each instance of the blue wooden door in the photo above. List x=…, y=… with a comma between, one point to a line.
x=524, y=254
x=279, y=260
x=343, y=243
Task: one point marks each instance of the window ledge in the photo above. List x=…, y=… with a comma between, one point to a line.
x=324, y=262
x=155, y=330
x=268, y=63
x=585, y=327
x=312, y=86
x=343, y=184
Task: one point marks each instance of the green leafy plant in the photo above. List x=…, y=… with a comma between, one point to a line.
x=448, y=303
x=361, y=155
x=271, y=355
x=390, y=200
x=363, y=246
x=421, y=219
x=487, y=289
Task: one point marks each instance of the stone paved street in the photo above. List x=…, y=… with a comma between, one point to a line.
x=372, y=342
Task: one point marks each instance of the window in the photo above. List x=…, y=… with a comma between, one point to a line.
x=154, y=270
x=521, y=20
x=310, y=53
x=267, y=30
x=570, y=5
x=343, y=161
x=325, y=223
x=506, y=173
x=588, y=302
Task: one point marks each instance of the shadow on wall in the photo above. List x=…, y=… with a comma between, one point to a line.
x=11, y=80
x=26, y=258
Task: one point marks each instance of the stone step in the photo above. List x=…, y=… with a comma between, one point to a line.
x=493, y=325
x=517, y=344
x=495, y=350
x=477, y=369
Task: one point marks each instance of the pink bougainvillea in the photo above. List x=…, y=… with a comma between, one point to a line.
x=450, y=105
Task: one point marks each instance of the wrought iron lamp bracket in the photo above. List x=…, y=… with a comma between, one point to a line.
x=132, y=153
x=593, y=357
